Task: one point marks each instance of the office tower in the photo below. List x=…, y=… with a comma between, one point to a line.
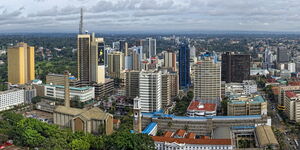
x=282, y=55
x=128, y=62
x=132, y=83
x=170, y=60
x=150, y=90
x=149, y=47
x=123, y=46
x=235, y=67
x=184, y=66
x=135, y=61
x=268, y=59
x=192, y=52
x=20, y=64
x=207, y=84
x=174, y=81
x=90, y=59
x=115, y=64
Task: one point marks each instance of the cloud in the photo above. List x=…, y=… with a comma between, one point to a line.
x=63, y=15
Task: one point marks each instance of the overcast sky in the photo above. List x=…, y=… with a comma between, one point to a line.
x=149, y=15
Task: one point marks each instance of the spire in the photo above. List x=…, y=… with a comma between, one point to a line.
x=81, y=21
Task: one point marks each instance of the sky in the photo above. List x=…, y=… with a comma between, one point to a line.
x=149, y=15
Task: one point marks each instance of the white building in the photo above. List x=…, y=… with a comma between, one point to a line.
x=57, y=91
x=248, y=87
x=150, y=91
x=292, y=67
x=11, y=98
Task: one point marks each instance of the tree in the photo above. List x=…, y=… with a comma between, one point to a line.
x=190, y=95
x=75, y=102
x=79, y=144
x=224, y=104
x=32, y=138
x=12, y=118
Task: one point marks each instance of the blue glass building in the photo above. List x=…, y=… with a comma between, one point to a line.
x=184, y=66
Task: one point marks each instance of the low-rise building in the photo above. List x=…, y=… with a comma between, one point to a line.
x=247, y=87
x=57, y=91
x=58, y=79
x=244, y=105
x=183, y=140
x=265, y=137
x=93, y=120
x=11, y=98
x=196, y=108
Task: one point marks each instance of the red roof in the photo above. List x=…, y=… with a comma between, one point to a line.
x=290, y=94
x=116, y=121
x=168, y=134
x=194, y=105
x=192, y=141
x=271, y=80
x=180, y=132
x=294, y=83
x=191, y=135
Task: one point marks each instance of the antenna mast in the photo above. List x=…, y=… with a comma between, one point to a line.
x=81, y=21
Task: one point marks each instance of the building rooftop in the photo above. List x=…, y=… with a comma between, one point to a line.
x=71, y=88
x=290, y=94
x=9, y=91
x=198, y=106
x=149, y=128
x=252, y=100
x=168, y=134
x=265, y=136
x=192, y=141
x=158, y=115
x=180, y=132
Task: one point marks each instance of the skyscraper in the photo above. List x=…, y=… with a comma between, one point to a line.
x=149, y=47
x=115, y=64
x=150, y=90
x=90, y=59
x=235, y=67
x=184, y=65
x=170, y=60
x=207, y=84
x=282, y=55
x=20, y=64
x=132, y=83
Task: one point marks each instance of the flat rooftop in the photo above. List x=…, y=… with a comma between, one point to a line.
x=252, y=100
x=198, y=106
x=71, y=88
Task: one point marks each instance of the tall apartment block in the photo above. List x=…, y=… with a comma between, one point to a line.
x=150, y=91
x=170, y=87
x=170, y=60
x=149, y=47
x=20, y=64
x=90, y=59
x=207, y=82
x=132, y=83
x=115, y=64
x=184, y=66
x=235, y=67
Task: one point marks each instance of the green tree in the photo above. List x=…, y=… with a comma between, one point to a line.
x=31, y=138
x=79, y=144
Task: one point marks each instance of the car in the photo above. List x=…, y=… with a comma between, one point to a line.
x=6, y=144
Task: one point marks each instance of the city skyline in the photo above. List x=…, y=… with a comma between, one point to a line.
x=143, y=15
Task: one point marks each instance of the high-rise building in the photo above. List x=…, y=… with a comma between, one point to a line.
x=150, y=90
x=184, y=66
x=170, y=60
x=207, y=84
x=90, y=59
x=20, y=64
x=268, y=59
x=283, y=55
x=235, y=67
x=132, y=83
x=165, y=90
x=149, y=47
x=115, y=64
